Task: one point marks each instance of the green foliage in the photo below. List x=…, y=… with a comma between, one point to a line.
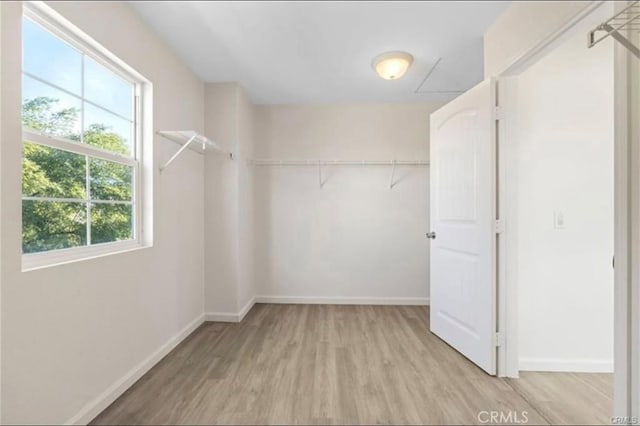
x=38, y=114
x=52, y=225
x=53, y=173
x=110, y=222
x=98, y=135
x=48, y=172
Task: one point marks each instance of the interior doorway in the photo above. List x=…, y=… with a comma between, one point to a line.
x=564, y=206
x=557, y=198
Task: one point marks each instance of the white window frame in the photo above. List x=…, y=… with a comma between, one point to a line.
x=65, y=31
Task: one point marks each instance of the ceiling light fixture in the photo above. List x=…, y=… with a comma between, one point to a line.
x=392, y=65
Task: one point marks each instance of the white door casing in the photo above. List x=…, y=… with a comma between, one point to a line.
x=463, y=218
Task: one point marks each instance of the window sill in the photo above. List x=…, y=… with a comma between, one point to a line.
x=36, y=261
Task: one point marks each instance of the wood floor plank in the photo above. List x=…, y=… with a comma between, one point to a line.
x=336, y=364
x=591, y=400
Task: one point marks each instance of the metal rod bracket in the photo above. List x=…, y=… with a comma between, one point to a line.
x=626, y=20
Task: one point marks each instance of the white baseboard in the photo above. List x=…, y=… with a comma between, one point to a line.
x=244, y=311
x=229, y=316
x=566, y=365
x=237, y=317
x=221, y=317
x=413, y=301
x=94, y=407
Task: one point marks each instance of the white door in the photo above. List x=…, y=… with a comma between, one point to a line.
x=463, y=218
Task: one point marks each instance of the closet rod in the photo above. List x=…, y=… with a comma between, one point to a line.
x=622, y=26
x=268, y=162
x=322, y=163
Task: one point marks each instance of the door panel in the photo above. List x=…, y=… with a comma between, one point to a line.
x=463, y=212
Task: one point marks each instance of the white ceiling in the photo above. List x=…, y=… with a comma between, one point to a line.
x=321, y=52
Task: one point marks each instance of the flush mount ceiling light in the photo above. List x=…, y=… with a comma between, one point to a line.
x=392, y=65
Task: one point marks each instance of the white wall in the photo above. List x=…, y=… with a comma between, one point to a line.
x=1, y=133
x=71, y=332
x=523, y=25
x=354, y=238
x=565, y=163
x=246, y=212
x=221, y=201
x=228, y=203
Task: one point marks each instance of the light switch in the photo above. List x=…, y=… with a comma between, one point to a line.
x=558, y=220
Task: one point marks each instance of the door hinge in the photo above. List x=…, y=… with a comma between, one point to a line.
x=499, y=339
x=499, y=113
x=499, y=226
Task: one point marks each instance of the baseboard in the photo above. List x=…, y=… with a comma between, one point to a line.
x=244, y=311
x=237, y=317
x=412, y=301
x=97, y=405
x=229, y=316
x=566, y=365
x=221, y=317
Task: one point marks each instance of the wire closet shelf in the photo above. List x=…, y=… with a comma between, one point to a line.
x=192, y=140
x=622, y=26
x=322, y=163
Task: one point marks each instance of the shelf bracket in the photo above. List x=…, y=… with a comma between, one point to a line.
x=177, y=154
x=625, y=20
x=190, y=139
x=622, y=40
x=320, y=174
x=393, y=172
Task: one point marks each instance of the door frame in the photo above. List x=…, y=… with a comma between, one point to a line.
x=626, y=222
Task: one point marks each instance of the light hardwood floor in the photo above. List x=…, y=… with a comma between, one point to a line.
x=322, y=364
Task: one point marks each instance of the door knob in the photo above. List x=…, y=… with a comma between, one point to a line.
x=431, y=235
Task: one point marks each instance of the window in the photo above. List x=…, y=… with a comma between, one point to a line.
x=81, y=154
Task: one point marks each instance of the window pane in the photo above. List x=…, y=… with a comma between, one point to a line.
x=107, y=131
x=110, y=181
x=111, y=222
x=50, y=172
x=48, y=225
x=50, y=110
x=49, y=58
x=107, y=89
